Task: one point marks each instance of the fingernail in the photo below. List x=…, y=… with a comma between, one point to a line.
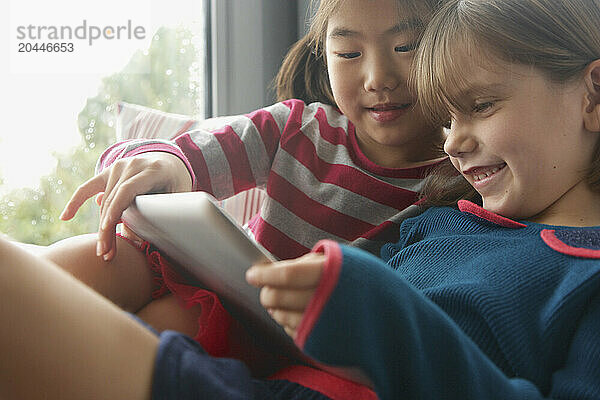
x=64, y=212
x=250, y=274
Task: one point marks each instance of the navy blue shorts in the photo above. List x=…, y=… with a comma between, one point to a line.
x=183, y=370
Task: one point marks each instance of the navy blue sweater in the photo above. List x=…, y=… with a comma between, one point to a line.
x=467, y=305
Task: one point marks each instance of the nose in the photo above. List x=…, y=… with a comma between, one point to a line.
x=382, y=74
x=459, y=142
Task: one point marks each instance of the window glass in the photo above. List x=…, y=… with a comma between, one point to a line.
x=59, y=102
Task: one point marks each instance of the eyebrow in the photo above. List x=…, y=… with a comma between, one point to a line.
x=461, y=100
x=480, y=90
x=400, y=27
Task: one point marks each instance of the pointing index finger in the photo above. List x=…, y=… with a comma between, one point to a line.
x=82, y=193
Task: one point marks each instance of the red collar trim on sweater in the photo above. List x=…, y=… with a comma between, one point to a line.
x=472, y=208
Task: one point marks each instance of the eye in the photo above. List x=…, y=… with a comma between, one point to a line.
x=348, y=56
x=406, y=48
x=483, y=107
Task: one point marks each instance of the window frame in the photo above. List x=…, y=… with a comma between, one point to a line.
x=248, y=40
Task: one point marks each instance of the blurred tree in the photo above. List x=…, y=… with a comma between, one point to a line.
x=170, y=82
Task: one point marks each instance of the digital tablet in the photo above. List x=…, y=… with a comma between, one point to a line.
x=202, y=239
x=208, y=245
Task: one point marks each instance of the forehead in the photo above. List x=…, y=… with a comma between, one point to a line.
x=355, y=17
x=486, y=73
x=470, y=77
x=468, y=70
x=461, y=74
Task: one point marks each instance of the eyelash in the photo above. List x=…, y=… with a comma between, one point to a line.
x=349, y=56
x=406, y=48
x=399, y=49
x=482, y=107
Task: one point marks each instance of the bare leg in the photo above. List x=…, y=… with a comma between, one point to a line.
x=168, y=313
x=61, y=340
x=126, y=280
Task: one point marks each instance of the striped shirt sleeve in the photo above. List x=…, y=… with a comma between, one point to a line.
x=222, y=162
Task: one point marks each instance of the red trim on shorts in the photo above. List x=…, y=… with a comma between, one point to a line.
x=323, y=382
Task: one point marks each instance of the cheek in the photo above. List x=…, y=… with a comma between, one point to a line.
x=334, y=81
x=508, y=137
x=342, y=88
x=338, y=75
x=333, y=68
x=455, y=163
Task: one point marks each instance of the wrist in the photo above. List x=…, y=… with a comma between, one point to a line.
x=185, y=181
x=181, y=179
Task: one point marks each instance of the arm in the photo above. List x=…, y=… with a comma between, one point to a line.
x=226, y=161
x=149, y=172
x=407, y=345
x=230, y=158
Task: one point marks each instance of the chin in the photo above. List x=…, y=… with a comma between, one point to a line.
x=502, y=209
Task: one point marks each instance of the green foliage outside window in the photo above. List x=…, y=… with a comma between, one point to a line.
x=30, y=215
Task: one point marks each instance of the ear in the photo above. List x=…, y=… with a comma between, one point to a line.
x=591, y=117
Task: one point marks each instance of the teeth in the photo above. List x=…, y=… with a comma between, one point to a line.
x=482, y=175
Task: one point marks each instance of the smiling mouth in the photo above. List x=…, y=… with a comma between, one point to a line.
x=389, y=107
x=386, y=113
x=481, y=173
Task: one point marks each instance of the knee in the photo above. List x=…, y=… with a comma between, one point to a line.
x=168, y=312
x=73, y=249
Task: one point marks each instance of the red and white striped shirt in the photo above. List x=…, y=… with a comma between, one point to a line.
x=319, y=184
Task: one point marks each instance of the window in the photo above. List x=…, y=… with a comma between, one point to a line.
x=198, y=57
x=58, y=121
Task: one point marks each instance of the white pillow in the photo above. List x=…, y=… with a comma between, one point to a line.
x=135, y=121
